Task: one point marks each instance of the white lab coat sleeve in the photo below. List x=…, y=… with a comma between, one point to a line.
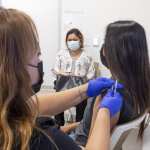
x=91, y=71
x=57, y=66
x=60, y=57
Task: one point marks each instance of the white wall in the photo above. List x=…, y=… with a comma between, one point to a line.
x=45, y=16
x=55, y=17
x=92, y=16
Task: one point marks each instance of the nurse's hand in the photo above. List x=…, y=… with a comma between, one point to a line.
x=112, y=101
x=96, y=86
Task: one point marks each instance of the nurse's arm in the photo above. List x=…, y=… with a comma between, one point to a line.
x=54, y=103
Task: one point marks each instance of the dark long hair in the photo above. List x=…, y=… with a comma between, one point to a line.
x=18, y=42
x=126, y=52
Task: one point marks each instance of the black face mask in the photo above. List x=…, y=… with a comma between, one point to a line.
x=37, y=86
x=103, y=59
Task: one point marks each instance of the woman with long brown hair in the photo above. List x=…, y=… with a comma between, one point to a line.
x=20, y=71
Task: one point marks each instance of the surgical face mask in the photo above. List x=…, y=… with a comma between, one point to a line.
x=37, y=86
x=103, y=59
x=73, y=45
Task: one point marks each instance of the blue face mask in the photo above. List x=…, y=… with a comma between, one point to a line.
x=73, y=45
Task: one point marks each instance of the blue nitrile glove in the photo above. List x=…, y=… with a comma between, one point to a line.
x=112, y=101
x=96, y=86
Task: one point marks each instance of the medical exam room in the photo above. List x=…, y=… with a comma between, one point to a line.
x=74, y=75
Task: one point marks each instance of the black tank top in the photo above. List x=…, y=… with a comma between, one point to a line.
x=47, y=136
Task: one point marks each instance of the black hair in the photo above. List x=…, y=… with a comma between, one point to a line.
x=126, y=52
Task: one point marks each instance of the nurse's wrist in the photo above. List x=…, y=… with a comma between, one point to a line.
x=83, y=90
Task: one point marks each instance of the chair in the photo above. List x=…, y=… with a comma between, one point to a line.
x=121, y=132
x=146, y=138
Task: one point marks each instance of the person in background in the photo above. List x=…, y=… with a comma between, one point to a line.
x=72, y=68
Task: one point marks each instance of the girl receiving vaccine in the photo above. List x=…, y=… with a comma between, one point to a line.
x=72, y=68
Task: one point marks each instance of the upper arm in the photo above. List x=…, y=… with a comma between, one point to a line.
x=113, y=121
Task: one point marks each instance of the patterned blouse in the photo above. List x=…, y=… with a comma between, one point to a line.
x=82, y=67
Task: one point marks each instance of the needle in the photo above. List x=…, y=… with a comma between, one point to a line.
x=115, y=88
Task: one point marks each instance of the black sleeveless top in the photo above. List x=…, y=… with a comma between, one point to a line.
x=47, y=136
